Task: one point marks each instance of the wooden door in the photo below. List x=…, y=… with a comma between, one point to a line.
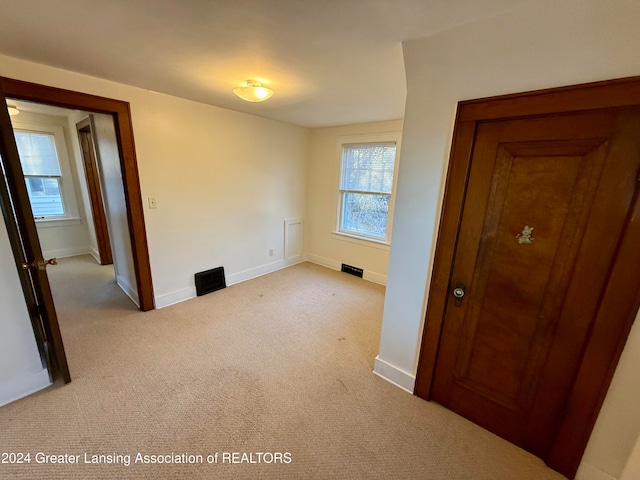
x=545, y=262
x=21, y=228
x=92, y=175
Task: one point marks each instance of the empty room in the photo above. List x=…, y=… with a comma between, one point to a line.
x=362, y=239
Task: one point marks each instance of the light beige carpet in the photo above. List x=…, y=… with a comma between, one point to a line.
x=279, y=364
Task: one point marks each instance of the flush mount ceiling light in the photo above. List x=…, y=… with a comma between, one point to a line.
x=13, y=110
x=253, y=92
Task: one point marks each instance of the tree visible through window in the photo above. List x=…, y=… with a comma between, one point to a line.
x=366, y=183
x=41, y=167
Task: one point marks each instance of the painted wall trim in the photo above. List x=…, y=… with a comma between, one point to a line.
x=337, y=265
x=15, y=389
x=94, y=253
x=66, y=252
x=245, y=275
x=177, y=296
x=589, y=472
x=375, y=277
x=293, y=255
x=126, y=288
x=188, y=293
x=394, y=375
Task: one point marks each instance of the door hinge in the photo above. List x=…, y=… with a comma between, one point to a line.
x=37, y=313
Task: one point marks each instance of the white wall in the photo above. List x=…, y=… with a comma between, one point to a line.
x=225, y=182
x=543, y=44
x=323, y=246
x=632, y=469
x=21, y=371
x=108, y=161
x=66, y=237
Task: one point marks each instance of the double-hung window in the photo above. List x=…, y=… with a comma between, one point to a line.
x=48, y=172
x=41, y=168
x=366, y=186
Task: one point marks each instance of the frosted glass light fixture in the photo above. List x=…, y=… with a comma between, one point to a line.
x=13, y=110
x=253, y=92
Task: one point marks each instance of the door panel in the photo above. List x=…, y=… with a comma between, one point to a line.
x=26, y=248
x=546, y=203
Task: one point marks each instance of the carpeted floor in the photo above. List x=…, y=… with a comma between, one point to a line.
x=278, y=367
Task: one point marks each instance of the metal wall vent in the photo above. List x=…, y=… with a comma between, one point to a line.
x=352, y=270
x=210, y=281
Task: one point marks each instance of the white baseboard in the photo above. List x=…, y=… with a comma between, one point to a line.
x=337, y=265
x=188, y=293
x=66, y=252
x=394, y=375
x=14, y=389
x=177, y=296
x=589, y=472
x=375, y=277
x=255, y=272
x=126, y=288
x=325, y=262
x=94, y=253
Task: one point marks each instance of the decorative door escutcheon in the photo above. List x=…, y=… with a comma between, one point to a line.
x=525, y=237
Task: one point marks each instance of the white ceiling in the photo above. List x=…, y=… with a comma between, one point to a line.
x=330, y=62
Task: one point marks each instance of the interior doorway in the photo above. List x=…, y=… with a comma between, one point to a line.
x=21, y=224
x=123, y=144
x=73, y=177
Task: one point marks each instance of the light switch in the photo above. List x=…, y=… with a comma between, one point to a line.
x=153, y=203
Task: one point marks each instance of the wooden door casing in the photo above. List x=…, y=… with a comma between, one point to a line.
x=92, y=175
x=121, y=113
x=582, y=398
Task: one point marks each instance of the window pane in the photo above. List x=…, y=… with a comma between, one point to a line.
x=38, y=154
x=368, y=168
x=365, y=214
x=44, y=195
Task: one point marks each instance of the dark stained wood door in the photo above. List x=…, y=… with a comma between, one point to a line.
x=23, y=237
x=547, y=204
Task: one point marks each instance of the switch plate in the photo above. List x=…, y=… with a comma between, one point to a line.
x=153, y=203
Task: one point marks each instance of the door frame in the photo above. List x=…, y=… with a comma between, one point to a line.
x=84, y=129
x=121, y=113
x=594, y=376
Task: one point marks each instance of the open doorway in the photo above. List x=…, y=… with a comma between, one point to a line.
x=21, y=227
x=73, y=176
x=119, y=111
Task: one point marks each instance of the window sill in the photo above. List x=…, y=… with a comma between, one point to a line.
x=365, y=242
x=57, y=222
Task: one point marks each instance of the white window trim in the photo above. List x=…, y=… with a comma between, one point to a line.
x=71, y=215
x=384, y=137
x=364, y=241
